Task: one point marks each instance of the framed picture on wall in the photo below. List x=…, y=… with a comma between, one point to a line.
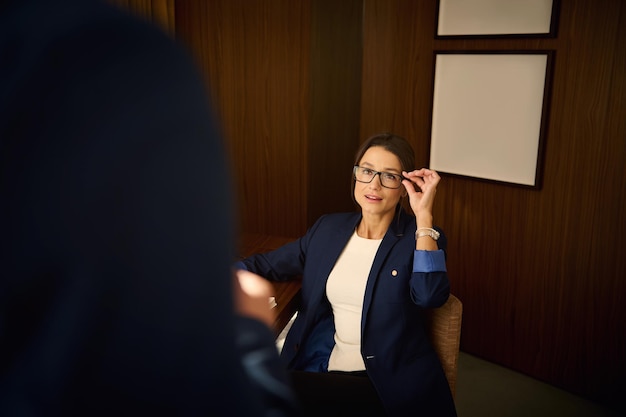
x=489, y=114
x=496, y=18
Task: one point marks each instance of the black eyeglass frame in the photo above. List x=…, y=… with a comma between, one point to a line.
x=354, y=169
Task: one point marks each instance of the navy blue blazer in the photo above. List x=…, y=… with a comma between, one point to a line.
x=398, y=356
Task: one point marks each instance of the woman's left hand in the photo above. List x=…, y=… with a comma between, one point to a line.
x=422, y=200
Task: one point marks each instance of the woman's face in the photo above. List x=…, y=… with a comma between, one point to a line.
x=373, y=198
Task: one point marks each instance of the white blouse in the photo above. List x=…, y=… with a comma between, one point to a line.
x=345, y=290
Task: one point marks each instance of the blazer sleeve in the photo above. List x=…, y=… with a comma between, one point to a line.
x=430, y=286
x=284, y=263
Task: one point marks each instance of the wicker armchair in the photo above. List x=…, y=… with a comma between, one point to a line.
x=445, y=334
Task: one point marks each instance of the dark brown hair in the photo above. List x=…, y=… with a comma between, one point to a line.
x=398, y=146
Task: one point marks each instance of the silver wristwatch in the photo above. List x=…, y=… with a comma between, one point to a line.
x=427, y=231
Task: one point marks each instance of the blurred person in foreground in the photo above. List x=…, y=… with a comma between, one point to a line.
x=116, y=292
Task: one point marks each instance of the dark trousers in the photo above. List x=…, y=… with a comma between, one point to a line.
x=336, y=394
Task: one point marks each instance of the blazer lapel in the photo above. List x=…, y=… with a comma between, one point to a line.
x=336, y=242
x=393, y=235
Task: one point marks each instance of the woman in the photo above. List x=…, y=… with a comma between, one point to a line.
x=358, y=344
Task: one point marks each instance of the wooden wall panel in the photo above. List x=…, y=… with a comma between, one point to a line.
x=285, y=78
x=336, y=61
x=397, y=65
x=539, y=271
x=256, y=57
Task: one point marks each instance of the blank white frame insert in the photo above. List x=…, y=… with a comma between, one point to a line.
x=487, y=115
x=494, y=17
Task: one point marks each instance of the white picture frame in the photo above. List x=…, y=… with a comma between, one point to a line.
x=489, y=115
x=496, y=17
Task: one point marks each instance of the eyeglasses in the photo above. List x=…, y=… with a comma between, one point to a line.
x=387, y=179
